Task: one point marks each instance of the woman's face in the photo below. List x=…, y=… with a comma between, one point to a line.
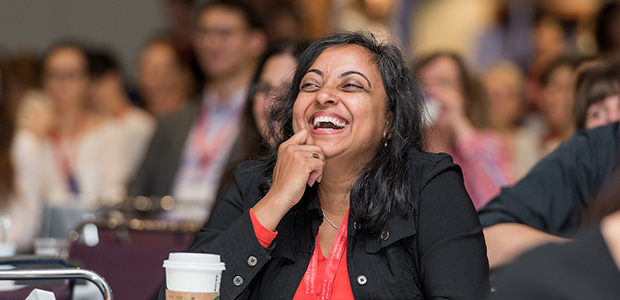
x=440, y=76
x=65, y=78
x=276, y=75
x=342, y=104
x=504, y=99
x=557, y=100
x=604, y=112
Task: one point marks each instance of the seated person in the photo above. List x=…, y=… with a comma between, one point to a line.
x=349, y=198
x=548, y=203
x=597, y=96
x=587, y=268
x=190, y=148
x=545, y=198
x=459, y=128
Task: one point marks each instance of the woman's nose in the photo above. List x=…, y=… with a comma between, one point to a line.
x=326, y=96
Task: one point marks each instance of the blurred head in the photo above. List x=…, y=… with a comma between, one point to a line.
x=549, y=35
x=608, y=28
x=597, y=96
x=228, y=37
x=162, y=72
x=272, y=78
x=179, y=13
x=447, y=71
x=106, y=80
x=504, y=83
x=557, y=96
x=65, y=75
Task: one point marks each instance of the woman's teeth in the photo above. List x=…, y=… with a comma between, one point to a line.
x=326, y=122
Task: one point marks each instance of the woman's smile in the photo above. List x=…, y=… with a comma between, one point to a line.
x=325, y=122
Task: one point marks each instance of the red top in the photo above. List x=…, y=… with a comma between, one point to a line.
x=342, y=285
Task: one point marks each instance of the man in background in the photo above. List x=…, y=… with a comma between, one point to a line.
x=190, y=148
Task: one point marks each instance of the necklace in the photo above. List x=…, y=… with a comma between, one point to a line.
x=330, y=222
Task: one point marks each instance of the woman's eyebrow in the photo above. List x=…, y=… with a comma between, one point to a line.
x=358, y=73
x=315, y=71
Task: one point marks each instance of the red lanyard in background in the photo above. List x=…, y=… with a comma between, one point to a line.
x=207, y=151
x=62, y=159
x=330, y=269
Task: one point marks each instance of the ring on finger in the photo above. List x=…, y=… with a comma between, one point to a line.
x=315, y=155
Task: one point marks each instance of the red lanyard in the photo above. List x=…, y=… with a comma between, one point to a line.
x=62, y=159
x=330, y=269
x=204, y=144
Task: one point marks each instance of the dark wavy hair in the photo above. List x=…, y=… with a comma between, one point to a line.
x=383, y=184
x=594, y=84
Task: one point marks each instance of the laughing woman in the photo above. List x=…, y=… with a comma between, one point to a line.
x=348, y=207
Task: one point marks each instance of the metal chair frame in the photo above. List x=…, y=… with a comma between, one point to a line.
x=53, y=273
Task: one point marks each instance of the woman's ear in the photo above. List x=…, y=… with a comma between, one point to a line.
x=388, y=131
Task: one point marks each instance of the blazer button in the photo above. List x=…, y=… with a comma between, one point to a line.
x=238, y=280
x=385, y=235
x=252, y=260
x=361, y=280
x=357, y=226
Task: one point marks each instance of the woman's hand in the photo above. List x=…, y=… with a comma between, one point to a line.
x=452, y=117
x=300, y=162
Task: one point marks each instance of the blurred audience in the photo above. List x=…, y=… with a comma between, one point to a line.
x=557, y=102
x=109, y=98
x=459, y=127
x=607, y=30
x=19, y=202
x=24, y=69
x=190, y=148
x=504, y=83
x=82, y=163
x=597, y=96
x=284, y=21
x=272, y=77
x=376, y=16
x=163, y=77
x=180, y=30
x=548, y=45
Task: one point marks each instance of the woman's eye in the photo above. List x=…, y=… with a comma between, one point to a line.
x=309, y=87
x=352, y=87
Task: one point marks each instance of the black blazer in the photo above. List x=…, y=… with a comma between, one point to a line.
x=161, y=163
x=437, y=252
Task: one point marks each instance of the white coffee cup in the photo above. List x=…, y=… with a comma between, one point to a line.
x=194, y=272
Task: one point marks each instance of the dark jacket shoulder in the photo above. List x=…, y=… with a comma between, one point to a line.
x=424, y=166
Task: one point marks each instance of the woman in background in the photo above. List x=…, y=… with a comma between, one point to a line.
x=504, y=84
x=272, y=77
x=458, y=126
x=597, y=96
x=556, y=105
x=82, y=160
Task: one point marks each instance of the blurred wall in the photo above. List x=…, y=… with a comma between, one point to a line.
x=451, y=25
x=122, y=25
